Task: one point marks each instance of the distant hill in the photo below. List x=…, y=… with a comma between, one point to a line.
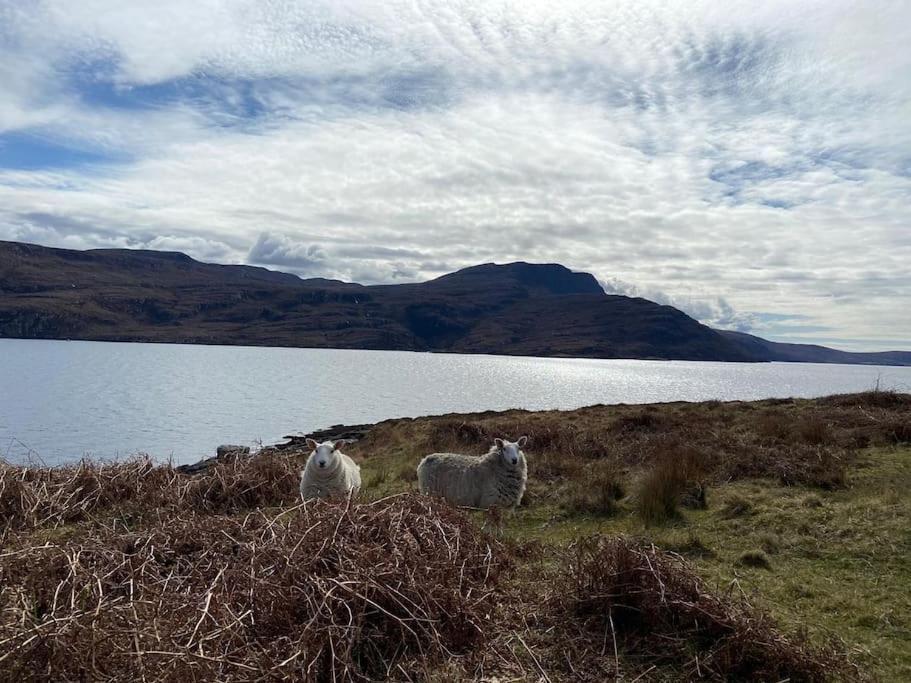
x=812, y=353
x=514, y=309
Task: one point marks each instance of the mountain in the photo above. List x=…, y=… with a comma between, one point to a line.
x=812, y=353
x=514, y=309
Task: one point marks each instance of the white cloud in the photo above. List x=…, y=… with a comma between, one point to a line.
x=733, y=160
x=707, y=308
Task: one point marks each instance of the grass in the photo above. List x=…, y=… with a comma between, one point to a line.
x=826, y=508
x=841, y=567
x=826, y=503
x=735, y=506
x=754, y=558
x=597, y=491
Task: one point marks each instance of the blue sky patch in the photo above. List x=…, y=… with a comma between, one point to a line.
x=28, y=152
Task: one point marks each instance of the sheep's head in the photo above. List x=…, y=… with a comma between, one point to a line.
x=511, y=454
x=324, y=455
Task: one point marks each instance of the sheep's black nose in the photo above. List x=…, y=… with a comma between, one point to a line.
x=515, y=461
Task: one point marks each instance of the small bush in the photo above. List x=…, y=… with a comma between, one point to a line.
x=820, y=467
x=897, y=432
x=646, y=421
x=656, y=606
x=551, y=466
x=774, y=426
x=598, y=491
x=754, y=558
x=814, y=431
x=659, y=492
x=460, y=432
x=661, y=488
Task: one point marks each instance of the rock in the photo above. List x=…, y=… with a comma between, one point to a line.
x=196, y=467
x=296, y=445
x=333, y=433
x=226, y=450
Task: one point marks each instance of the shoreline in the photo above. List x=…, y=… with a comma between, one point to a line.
x=660, y=359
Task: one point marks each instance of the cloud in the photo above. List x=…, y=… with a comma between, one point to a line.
x=737, y=161
x=278, y=250
x=709, y=309
x=364, y=264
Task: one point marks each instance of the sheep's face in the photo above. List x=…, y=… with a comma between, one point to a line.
x=324, y=455
x=511, y=455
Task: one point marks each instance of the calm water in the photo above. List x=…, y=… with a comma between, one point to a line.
x=63, y=400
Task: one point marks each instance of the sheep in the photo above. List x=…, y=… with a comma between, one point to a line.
x=494, y=480
x=329, y=472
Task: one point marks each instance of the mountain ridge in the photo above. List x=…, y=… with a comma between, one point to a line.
x=518, y=308
x=814, y=353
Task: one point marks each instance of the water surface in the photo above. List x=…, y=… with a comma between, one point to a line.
x=62, y=400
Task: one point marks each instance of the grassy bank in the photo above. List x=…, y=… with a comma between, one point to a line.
x=713, y=540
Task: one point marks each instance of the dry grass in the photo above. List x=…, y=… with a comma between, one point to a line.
x=132, y=571
x=877, y=398
x=652, y=603
x=323, y=591
x=797, y=442
x=774, y=427
x=815, y=431
x=661, y=489
x=598, y=491
x=770, y=543
x=735, y=506
x=33, y=497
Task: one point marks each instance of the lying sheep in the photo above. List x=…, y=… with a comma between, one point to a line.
x=493, y=480
x=329, y=472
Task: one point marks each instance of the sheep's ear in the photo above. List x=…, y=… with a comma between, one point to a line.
x=338, y=444
x=522, y=441
x=498, y=442
x=313, y=445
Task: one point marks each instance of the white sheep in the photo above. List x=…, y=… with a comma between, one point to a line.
x=329, y=472
x=494, y=480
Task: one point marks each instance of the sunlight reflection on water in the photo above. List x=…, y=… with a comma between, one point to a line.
x=64, y=400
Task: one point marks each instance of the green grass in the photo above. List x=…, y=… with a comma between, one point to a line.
x=840, y=560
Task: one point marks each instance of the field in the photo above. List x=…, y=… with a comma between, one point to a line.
x=719, y=541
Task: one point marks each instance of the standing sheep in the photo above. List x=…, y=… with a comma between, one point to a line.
x=493, y=480
x=329, y=472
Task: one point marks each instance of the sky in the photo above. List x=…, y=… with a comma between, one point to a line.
x=749, y=163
